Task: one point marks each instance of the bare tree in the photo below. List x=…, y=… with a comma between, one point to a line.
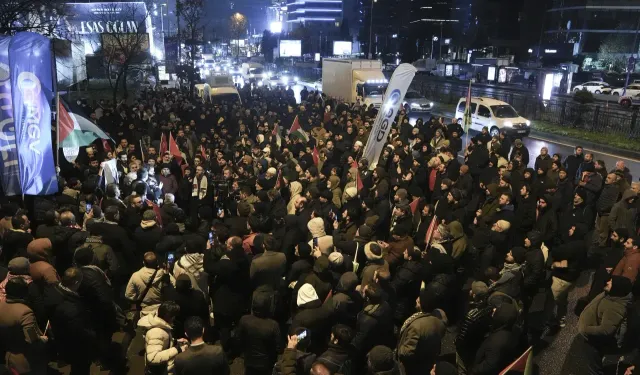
x=192, y=12
x=45, y=17
x=237, y=29
x=125, y=45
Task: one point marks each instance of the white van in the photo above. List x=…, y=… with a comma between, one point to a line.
x=494, y=114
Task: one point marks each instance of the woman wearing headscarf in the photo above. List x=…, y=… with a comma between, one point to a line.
x=296, y=190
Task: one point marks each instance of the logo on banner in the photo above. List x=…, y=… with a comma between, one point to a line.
x=393, y=100
x=8, y=148
x=30, y=87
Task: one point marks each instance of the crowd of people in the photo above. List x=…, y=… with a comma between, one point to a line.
x=225, y=235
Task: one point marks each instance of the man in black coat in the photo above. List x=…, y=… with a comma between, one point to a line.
x=474, y=326
x=572, y=163
x=519, y=147
x=497, y=349
x=200, y=358
x=406, y=282
x=258, y=336
x=231, y=288
x=96, y=292
x=17, y=239
x=70, y=321
x=148, y=234
x=117, y=237
x=337, y=357
x=525, y=214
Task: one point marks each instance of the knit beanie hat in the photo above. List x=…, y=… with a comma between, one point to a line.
x=381, y=359
x=620, y=286
x=306, y=294
x=365, y=231
x=479, y=288
x=304, y=249
x=518, y=254
x=535, y=238
x=244, y=209
x=19, y=266
x=373, y=251
x=336, y=258
x=402, y=194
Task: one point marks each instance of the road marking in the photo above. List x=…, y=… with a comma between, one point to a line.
x=585, y=148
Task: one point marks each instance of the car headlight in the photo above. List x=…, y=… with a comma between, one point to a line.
x=431, y=104
x=268, y=74
x=508, y=123
x=528, y=123
x=251, y=75
x=295, y=79
x=285, y=79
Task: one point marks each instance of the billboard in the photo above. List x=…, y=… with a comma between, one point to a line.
x=87, y=21
x=342, y=48
x=290, y=48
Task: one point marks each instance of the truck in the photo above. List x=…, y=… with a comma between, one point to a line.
x=354, y=80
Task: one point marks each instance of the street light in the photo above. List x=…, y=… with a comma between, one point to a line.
x=433, y=39
x=371, y=27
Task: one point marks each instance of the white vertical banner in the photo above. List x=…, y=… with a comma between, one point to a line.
x=398, y=86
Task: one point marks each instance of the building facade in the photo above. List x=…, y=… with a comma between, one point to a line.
x=314, y=13
x=588, y=22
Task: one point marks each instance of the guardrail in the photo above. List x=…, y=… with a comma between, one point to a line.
x=595, y=117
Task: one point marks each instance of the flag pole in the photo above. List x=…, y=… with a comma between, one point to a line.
x=58, y=145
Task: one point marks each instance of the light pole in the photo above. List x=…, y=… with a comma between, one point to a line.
x=433, y=39
x=371, y=27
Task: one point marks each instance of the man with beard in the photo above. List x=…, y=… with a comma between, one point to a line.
x=586, y=162
x=579, y=213
x=520, y=148
x=474, y=326
x=525, y=214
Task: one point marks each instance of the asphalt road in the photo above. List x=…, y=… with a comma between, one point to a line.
x=535, y=142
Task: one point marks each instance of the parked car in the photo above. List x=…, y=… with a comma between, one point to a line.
x=632, y=90
x=417, y=102
x=494, y=114
x=594, y=87
x=629, y=100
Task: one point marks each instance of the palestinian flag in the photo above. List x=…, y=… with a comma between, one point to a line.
x=297, y=131
x=74, y=130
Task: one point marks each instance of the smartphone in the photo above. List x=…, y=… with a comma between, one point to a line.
x=302, y=335
x=315, y=242
x=88, y=208
x=220, y=210
x=211, y=238
x=171, y=259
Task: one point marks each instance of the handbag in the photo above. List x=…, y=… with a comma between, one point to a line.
x=133, y=315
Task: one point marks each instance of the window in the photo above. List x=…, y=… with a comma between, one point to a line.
x=463, y=105
x=484, y=111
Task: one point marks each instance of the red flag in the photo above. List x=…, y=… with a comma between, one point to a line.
x=65, y=123
x=414, y=205
x=106, y=146
x=174, y=150
x=163, y=144
x=359, y=184
x=327, y=117
x=432, y=227
x=156, y=209
x=522, y=364
x=202, y=151
x=316, y=156
x=279, y=181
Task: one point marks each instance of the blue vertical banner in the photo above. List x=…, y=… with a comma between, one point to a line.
x=30, y=62
x=9, y=170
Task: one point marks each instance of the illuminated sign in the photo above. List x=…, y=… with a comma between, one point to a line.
x=550, y=51
x=290, y=48
x=491, y=73
x=342, y=48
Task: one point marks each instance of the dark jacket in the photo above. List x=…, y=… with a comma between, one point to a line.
x=420, y=342
x=315, y=317
x=534, y=269
x=608, y=197
x=497, y=349
x=336, y=359
x=406, y=283
x=374, y=327
x=258, y=335
x=96, y=292
x=201, y=359
x=171, y=213
x=14, y=244
x=70, y=322
x=346, y=302
x=147, y=239
x=473, y=328
x=231, y=289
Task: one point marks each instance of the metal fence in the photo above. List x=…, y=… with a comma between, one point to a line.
x=595, y=117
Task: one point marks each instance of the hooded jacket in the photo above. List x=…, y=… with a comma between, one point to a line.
x=629, y=265
x=259, y=335
x=420, y=342
x=623, y=214
x=296, y=190
x=158, y=342
x=601, y=319
x=138, y=283
x=325, y=242
x=497, y=349
x=459, y=240
x=346, y=302
x=374, y=327
x=41, y=270
x=193, y=266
